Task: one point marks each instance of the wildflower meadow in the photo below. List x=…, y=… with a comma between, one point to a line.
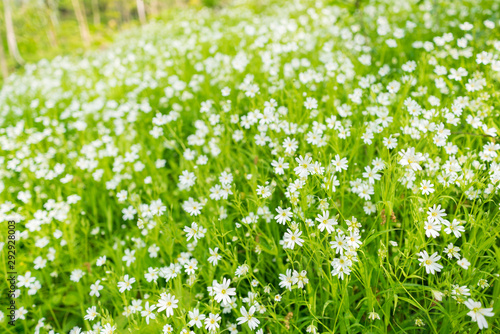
x=259, y=167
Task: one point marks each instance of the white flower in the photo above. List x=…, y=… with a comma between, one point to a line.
x=248, y=317
x=290, y=145
x=305, y=166
x=195, y=231
x=436, y=214
x=411, y=159
x=129, y=213
x=126, y=285
x=196, y=318
x=212, y=322
x=311, y=103
x=101, y=261
x=20, y=313
x=223, y=292
x=280, y=166
x=108, y=329
x=214, y=256
x=371, y=174
x=390, y=142
x=300, y=278
x=286, y=280
x=339, y=164
x=291, y=238
x=283, y=216
x=478, y=313
x=95, y=288
x=427, y=187
x=452, y=251
x=148, y=312
x=192, y=207
x=91, y=313
x=76, y=275
x=453, y=227
x=25, y=280
x=167, y=329
x=226, y=178
x=464, y=263
x=432, y=228
x=437, y=295
x=122, y=196
x=263, y=191
x=339, y=244
x=325, y=222
x=430, y=262
x=311, y=329
x=167, y=303
x=186, y=180
x=129, y=257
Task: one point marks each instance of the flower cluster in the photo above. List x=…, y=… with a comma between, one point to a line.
x=295, y=166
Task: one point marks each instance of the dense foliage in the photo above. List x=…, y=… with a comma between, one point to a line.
x=296, y=167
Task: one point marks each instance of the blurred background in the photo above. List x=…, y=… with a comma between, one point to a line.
x=31, y=30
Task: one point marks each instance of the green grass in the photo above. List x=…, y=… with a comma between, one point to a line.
x=99, y=110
